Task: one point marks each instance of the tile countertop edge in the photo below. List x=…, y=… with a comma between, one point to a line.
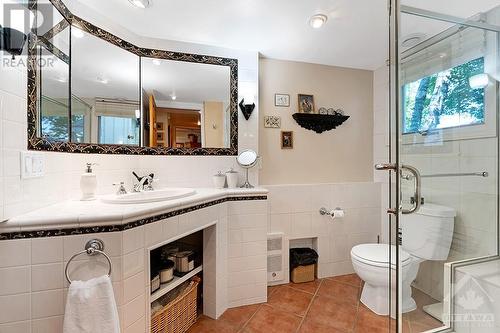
x=54, y=216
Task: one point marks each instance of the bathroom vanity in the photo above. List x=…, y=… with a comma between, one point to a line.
x=230, y=225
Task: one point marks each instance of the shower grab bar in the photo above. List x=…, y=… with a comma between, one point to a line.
x=477, y=174
x=93, y=247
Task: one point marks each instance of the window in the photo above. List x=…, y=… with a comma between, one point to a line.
x=444, y=99
x=118, y=130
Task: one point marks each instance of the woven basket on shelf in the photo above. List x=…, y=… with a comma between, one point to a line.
x=178, y=315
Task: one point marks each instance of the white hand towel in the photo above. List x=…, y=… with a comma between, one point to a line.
x=91, y=307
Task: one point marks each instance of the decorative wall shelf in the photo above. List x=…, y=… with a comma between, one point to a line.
x=319, y=123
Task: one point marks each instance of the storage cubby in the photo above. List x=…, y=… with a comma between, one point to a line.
x=178, y=300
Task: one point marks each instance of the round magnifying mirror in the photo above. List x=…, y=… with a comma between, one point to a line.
x=247, y=159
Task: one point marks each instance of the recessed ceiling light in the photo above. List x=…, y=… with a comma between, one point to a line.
x=140, y=3
x=318, y=20
x=103, y=81
x=412, y=40
x=76, y=32
x=173, y=97
x=157, y=62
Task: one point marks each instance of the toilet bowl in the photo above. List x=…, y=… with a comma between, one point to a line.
x=426, y=235
x=371, y=263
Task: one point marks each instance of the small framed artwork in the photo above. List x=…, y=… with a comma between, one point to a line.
x=159, y=126
x=160, y=136
x=272, y=122
x=286, y=140
x=306, y=103
x=282, y=100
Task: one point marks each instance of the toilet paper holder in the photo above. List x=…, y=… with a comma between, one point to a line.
x=324, y=211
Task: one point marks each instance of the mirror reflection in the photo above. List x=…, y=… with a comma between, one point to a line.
x=185, y=105
x=105, y=91
x=90, y=90
x=53, y=51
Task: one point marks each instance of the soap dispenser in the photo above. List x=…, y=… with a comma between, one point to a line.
x=88, y=183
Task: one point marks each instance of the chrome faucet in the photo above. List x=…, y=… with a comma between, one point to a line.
x=145, y=183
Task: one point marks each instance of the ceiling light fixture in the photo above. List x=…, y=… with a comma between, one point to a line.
x=140, y=3
x=76, y=32
x=173, y=97
x=157, y=62
x=317, y=21
x=103, y=81
x=412, y=40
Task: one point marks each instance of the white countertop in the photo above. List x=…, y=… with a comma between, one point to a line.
x=75, y=213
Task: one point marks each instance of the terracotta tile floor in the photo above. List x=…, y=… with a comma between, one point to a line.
x=329, y=305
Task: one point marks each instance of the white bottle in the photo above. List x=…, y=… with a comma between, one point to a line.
x=88, y=184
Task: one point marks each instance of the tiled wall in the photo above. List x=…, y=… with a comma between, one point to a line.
x=33, y=289
x=294, y=210
x=473, y=198
x=63, y=171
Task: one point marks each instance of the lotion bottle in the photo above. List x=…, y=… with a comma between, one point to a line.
x=88, y=184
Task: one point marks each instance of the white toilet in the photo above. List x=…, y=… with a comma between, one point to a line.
x=426, y=235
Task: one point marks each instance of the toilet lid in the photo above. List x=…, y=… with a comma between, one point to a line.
x=378, y=254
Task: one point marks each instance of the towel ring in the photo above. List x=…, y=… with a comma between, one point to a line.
x=93, y=247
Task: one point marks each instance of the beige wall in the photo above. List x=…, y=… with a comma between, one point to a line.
x=214, y=115
x=341, y=155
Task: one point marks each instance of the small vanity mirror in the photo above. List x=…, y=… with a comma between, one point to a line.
x=247, y=159
x=185, y=104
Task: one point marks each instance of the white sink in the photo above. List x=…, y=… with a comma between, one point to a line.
x=149, y=196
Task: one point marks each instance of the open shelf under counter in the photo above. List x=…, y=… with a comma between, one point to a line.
x=177, y=281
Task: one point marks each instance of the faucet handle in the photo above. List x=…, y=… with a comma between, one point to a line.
x=121, y=189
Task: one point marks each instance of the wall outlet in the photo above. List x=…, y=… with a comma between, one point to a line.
x=32, y=165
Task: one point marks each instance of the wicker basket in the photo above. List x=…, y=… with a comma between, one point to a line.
x=302, y=274
x=178, y=315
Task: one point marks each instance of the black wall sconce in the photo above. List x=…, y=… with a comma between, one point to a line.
x=12, y=41
x=247, y=109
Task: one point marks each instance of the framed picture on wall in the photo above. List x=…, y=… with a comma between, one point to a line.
x=282, y=100
x=272, y=122
x=159, y=126
x=286, y=140
x=306, y=103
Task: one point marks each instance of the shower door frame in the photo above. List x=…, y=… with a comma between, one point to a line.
x=395, y=9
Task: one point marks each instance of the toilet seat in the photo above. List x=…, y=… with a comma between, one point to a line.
x=378, y=255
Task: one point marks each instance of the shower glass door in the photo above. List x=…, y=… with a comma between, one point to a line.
x=444, y=101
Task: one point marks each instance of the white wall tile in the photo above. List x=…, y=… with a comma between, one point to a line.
x=46, y=250
x=15, y=253
x=15, y=308
x=48, y=325
x=15, y=280
x=47, y=277
x=47, y=303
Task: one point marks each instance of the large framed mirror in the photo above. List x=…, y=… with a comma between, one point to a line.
x=90, y=91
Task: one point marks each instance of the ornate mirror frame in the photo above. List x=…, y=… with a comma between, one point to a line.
x=37, y=143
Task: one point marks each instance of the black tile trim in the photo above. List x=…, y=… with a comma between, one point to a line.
x=120, y=227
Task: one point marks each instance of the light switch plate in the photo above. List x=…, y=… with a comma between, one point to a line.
x=32, y=165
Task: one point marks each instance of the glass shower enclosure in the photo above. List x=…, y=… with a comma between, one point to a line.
x=443, y=188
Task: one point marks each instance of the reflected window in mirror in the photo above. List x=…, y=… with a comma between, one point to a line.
x=185, y=104
x=105, y=91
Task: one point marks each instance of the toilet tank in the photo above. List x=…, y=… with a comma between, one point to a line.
x=428, y=233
